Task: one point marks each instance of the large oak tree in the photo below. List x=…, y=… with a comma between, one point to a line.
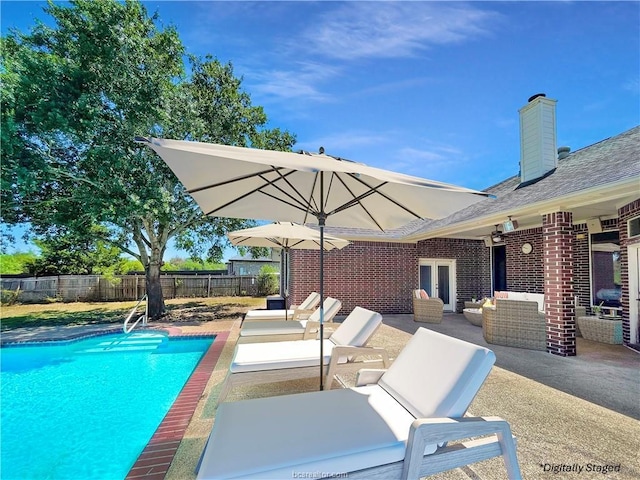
x=75, y=95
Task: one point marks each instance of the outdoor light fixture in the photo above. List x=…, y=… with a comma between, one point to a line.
x=510, y=225
x=496, y=236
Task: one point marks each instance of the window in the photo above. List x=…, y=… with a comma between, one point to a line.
x=606, y=284
x=634, y=227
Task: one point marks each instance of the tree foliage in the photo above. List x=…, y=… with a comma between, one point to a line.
x=67, y=254
x=16, y=263
x=75, y=95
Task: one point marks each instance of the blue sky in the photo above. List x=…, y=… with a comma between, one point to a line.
x=426, y=88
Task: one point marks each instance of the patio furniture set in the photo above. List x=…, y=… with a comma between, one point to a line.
x=517, y=319
x=395, y=423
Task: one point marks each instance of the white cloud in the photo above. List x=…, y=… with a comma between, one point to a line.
x=632, y=85
x=300, y=83
x=392, y=29
x=366, y=30
x=344, y=141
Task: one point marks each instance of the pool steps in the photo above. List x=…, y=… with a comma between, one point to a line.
x=133, y=343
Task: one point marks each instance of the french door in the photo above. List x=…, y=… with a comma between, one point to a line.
x=437, y=278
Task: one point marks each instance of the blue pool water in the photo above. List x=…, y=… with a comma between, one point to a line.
x=86, y=409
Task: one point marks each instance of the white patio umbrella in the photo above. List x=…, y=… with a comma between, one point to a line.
x=241, y=182
x=285, y=235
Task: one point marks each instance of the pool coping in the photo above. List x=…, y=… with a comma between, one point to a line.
x=155, y=459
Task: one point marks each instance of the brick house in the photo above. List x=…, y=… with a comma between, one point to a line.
x=568, y=226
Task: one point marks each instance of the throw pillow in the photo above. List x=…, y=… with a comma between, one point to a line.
x=424, y=295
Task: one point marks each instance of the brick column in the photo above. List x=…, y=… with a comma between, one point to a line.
x=557, y=233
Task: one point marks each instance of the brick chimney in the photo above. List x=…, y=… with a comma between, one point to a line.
x=538, y=153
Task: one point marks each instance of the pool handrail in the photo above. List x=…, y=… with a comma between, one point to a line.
x=141, y=317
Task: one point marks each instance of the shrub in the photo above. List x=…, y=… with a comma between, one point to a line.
x=9, y=297
x=267, y=281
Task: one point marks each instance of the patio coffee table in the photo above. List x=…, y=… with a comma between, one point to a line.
x=602, y=330
x=474, y=315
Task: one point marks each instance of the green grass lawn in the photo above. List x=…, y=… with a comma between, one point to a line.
x=88, y=313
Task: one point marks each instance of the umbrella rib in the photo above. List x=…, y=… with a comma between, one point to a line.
x=304, y=204
x=299, y=207
x=237, y=179
x=258, y=189
x=356, y=200
x=312, y=199
x=371, y=191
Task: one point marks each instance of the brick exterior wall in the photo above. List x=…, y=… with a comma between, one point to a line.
x=557, y=231
x=375, y=275
x=525, y=273
x=626, y=213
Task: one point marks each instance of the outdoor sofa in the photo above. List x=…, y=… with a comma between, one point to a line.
x=516, y=320
x=393, y=424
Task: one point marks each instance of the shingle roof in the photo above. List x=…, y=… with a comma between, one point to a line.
x=606, y=162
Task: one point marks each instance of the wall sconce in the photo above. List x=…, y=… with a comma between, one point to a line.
x=510, y=225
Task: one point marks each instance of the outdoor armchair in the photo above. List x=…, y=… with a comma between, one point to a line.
x=283, y=330
x=394, y=428
x=427, y=310
x=256, y=363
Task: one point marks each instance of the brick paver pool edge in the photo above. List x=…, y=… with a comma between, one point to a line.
x=155, y=460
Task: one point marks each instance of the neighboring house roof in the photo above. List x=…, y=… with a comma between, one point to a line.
x=590, y=182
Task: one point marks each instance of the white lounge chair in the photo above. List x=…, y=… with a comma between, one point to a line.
x=256, y=363
x=300, y=312
x=396, y=428
x=283, y=330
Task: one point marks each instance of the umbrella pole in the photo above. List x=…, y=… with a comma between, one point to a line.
x=284, y=272
x=321, y=220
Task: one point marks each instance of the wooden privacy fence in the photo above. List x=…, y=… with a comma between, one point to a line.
x=95, y=288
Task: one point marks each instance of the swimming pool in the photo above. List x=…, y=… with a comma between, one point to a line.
x=86, y=409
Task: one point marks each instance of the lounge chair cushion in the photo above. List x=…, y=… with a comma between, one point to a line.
x=272, y=327
x=253, y=357
x=357, y=328
x=430, y=393
x=342, y=441
x=330, y=306
x=311, y=301
x=268, y=315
